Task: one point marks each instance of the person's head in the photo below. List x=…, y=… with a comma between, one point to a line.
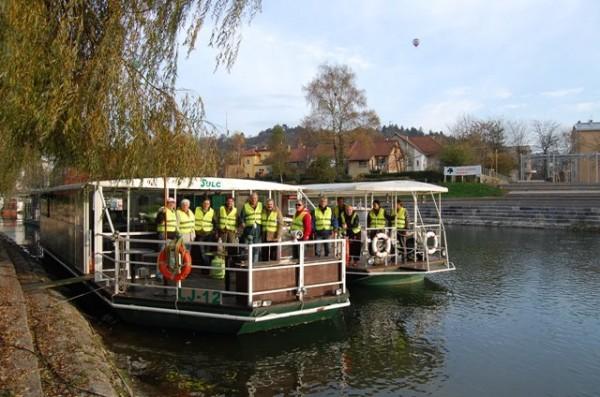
x=399, y=204
x=171, y=203
x=253, y=198
x=206, y=203
x=299, y=205
x=349, y=209
x=340, y=201
x=185, y=205
x=376, y=205
x=270, y=204
x=229, y=202
x=323, y=202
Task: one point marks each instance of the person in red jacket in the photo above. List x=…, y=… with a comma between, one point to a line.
x=302, y=221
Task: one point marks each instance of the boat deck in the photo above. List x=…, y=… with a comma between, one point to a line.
x=434, y=265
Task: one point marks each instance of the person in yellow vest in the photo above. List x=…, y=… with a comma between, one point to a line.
x=186, y=222
x=166, y=221
x=205, y=227
x=350, y=224
x=272, y=228
x=376, y=220
x=401, y=224
x=325, y=225
x=228, y=222
x=251, y=222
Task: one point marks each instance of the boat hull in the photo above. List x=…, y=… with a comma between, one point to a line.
x=257, y=320
x=387, y=279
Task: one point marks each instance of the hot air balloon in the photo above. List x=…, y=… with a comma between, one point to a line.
x=416, y=42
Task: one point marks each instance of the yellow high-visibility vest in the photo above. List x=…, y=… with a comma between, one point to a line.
x=204, y=220
x=227, y=221
x=323, y=219
x=377, y=221
x=269, y=221
x=171, y=218
x=355, y=229
x=252, y=215
x=401, y=218
x=298, y=222
x=186, y=221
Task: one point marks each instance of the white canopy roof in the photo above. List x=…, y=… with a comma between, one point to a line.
x=361, y=188
x=224, y=184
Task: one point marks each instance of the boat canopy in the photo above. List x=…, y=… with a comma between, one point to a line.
x=213, y=184
x=357, y=188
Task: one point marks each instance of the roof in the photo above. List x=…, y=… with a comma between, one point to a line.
x=365, y=150
x=218, y=184
x=361, y=188
x=424, y=144
x=297, y=155
x=589, y=126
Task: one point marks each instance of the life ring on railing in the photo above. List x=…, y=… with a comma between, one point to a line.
x=182, y=267
x=429, y=235
x=375, y=245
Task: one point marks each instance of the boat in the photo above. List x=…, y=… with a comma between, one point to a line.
x=391, y=256
x=104, y=232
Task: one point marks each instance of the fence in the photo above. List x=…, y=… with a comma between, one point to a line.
x=576, y=168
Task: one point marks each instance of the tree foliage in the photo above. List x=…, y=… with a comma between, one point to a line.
x=90, y=84
x=338, y=106
x=279, y=152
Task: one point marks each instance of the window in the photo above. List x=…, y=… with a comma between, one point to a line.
x=247, y=161
x=362, y=164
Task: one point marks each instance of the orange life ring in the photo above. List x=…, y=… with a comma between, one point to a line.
x=186, y=268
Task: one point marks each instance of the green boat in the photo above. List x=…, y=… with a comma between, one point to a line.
x=102, y=230
x=386, y=254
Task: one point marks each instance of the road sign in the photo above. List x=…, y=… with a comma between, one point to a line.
x=463, y=170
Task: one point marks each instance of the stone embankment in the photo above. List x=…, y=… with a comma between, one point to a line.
x=548, y=206
x=47, y=348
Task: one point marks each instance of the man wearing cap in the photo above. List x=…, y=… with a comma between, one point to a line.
x=186, y=222
x=301, y=222
x=166, y=221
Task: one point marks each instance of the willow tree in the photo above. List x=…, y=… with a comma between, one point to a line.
x=91, y=84
x=338, y=106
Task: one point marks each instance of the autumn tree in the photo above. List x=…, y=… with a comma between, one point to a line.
x=337, y=106
x=547, y=133
x=279, y=152
x=91, y=84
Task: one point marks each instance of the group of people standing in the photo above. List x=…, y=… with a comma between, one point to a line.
x=253, y=223
x=256, y=223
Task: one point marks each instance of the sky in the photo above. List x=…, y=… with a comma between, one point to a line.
x=516, y=59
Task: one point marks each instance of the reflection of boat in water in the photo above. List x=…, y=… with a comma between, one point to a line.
x=97, y=230
x=387, y=254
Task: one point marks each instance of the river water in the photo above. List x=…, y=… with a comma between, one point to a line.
x=519, y=317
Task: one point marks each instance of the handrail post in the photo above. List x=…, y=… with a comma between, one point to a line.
x=301, y=251
x=117, y=260
x=250, y=275
x=344, y=256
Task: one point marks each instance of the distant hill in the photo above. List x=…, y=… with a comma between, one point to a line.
x=293, y=134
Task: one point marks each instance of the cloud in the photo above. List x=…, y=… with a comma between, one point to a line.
x=502, y=93
x=438, y=115
x=590, y=106
x=562, y=93
x=513, y=106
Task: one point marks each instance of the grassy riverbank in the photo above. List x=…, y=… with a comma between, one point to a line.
x=460, y=190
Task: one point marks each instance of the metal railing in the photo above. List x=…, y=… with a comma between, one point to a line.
x=121, y=263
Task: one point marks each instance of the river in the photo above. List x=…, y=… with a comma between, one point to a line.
x=520, y=316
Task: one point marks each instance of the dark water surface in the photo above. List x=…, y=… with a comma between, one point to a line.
x=519, y=317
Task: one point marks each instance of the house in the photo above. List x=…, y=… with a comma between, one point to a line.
x=378, y=155
x=253, y=164
x=420, y=152
x=586, y=143
x=302, y=156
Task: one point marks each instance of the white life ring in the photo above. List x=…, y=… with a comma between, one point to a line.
x=375, y=245
x=433, y=249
